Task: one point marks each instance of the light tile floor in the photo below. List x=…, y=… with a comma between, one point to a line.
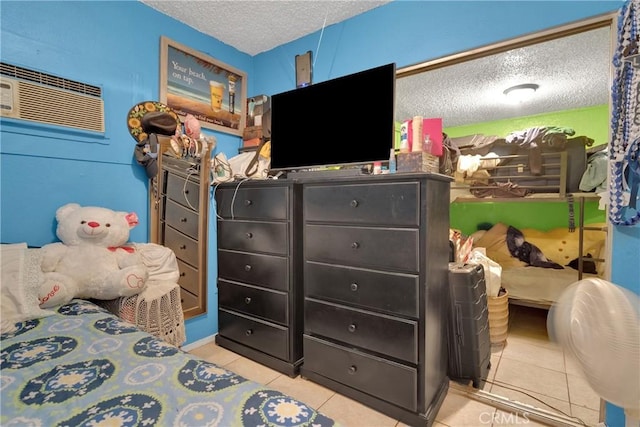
x=527, y=368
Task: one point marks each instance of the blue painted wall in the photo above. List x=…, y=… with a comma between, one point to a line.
x=115, y=45
x=409, y=32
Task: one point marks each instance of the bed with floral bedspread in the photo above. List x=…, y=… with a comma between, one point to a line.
x=83, y=366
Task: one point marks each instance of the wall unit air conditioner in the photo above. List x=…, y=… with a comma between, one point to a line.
x=9, y=106
x=31, y=95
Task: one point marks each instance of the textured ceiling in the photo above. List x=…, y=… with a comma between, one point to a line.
x=257, y=26
x=572, y=72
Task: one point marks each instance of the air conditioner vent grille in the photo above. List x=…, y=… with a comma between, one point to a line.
x=49, y=80
x=47, y=105
x=43, y=98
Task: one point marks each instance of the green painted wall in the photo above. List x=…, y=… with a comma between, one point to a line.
x=590, y=121
x=539, y=215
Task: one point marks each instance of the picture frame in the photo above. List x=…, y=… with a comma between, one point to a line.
x=194, y=83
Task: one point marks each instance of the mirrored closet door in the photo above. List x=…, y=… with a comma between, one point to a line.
x=568, y=70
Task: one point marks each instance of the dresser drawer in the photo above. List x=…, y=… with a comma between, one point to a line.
x=187, y=195
x=361, y=246
x=185, y=248
x=390, y=336
x=188, y=300
x=384, y=379
x=393, y=293
x=380, y=203
x=269, y=237
x=265, y=337
x=188, y=277
x=265, y=270
x=252, y=203
x=266, y=304
x=182, y=219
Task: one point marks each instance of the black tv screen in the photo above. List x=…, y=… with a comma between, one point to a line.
x=344, y=121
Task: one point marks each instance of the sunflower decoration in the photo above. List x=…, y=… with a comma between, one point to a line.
x=134, y=117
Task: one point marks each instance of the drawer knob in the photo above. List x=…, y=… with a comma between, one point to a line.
x=247, y=267
x=248, y=202
x=354, y=203
x=352, y=369
x=186, y=191
x=354, y=287
x=249, y=235
x=352, y=327
x=182, y=274
x=247, y=300
x=183, y=247
x=355, y=245
x=249, y=332
x=183, y=219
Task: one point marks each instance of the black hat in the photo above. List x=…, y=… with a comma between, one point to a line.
x=159, y=120
x=146, y=120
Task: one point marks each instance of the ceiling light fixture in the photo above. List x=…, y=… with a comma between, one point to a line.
x=520, y=93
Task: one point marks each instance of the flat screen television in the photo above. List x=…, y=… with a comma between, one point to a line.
x=345, y=121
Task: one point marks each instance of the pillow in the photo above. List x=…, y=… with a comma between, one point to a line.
x=19, y=284
x=495, y=242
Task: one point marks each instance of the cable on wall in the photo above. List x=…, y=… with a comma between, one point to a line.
x=320, y=39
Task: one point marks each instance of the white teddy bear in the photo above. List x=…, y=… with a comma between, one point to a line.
x=91, y=261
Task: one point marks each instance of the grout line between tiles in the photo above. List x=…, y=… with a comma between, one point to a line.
x=274, y=379
x=514, y=323
x=566, y=378
x=328, y=399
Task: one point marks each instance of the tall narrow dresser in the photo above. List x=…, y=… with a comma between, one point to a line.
x=260, y=298
x=376, y=253
x=182, y=210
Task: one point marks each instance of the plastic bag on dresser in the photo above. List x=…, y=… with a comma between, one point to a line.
x=492, y=270
x=254, y=165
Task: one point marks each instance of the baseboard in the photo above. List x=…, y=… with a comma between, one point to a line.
x=199, y=343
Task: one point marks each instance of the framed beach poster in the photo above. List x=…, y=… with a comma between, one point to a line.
x=193, y=83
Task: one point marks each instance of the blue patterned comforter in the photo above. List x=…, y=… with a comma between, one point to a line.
x=85, y=367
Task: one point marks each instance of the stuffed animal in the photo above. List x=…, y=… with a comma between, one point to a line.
x=91, y=261
x=192, y=126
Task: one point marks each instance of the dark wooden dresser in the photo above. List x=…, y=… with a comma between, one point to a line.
x=260, y=299
x=375, y=290
x=182, y=226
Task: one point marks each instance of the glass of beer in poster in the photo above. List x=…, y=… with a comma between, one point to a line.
x=217, y=92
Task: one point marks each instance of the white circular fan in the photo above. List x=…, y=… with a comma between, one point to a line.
x=598, y=324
